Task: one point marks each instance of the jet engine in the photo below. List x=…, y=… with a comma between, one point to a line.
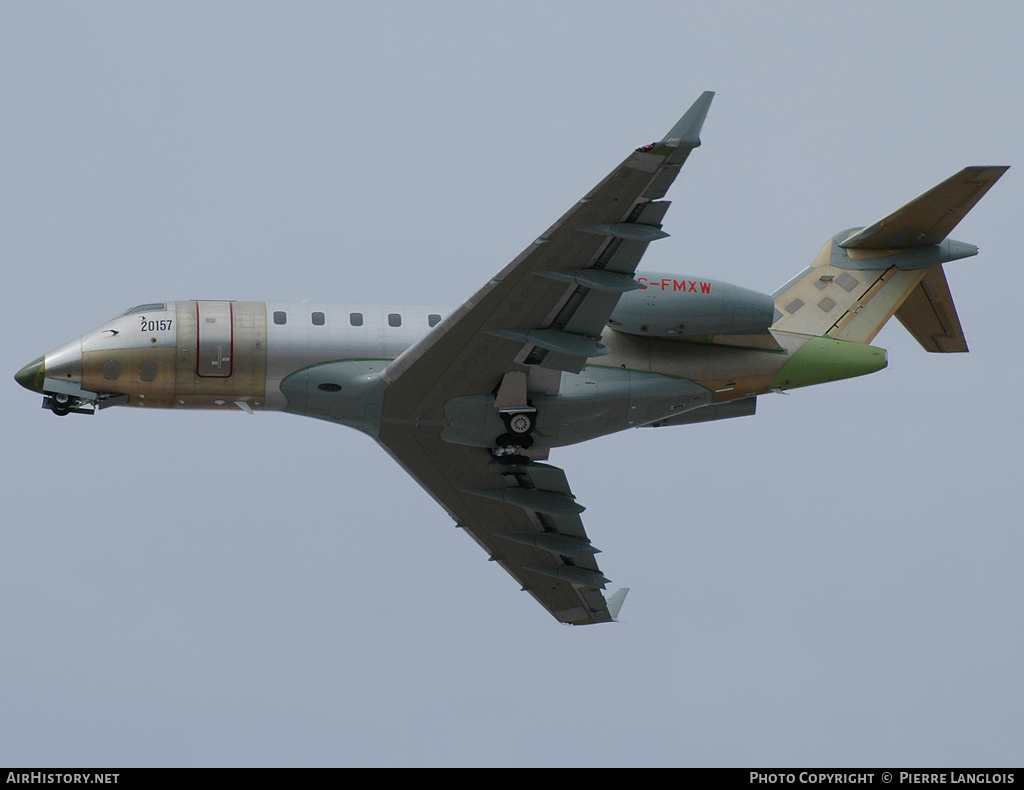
x=677, y=306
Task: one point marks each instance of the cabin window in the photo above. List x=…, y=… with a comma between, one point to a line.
x=356, y=319
x=280, y=317
x=318, y=319
x=111, y=370
x=433, y=319
x=147, y=370
x=394, y=319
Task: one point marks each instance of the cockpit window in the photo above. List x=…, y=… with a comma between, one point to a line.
x=145, y=308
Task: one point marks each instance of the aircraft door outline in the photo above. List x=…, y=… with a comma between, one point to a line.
x=215, y=339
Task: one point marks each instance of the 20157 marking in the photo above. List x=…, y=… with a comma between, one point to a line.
x=162, y=325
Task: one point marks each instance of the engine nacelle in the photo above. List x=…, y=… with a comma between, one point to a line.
x=673, y=305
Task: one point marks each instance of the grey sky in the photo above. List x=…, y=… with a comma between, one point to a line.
x=835, y=581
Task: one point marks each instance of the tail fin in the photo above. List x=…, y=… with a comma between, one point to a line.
x=864, y=276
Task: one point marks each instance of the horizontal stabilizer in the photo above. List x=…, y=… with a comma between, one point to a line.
x=930, y=315
x=928, y=219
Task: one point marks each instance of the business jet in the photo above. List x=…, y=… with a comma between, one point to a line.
x=567, y=343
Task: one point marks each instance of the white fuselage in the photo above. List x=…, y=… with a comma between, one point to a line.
x=309, y=333
x=219, y=354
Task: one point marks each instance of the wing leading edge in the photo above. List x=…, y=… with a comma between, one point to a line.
x=541, y=315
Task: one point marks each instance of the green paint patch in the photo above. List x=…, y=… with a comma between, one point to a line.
x=823, y=359
x=31, y=376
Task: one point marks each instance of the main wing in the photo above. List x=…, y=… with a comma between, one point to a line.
x=539, y=316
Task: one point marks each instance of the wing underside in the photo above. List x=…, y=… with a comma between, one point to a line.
x=523, y=515
x=542, y=315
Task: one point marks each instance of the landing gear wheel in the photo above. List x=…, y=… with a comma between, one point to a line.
x=512, y=440
x=520, y=424
x=61, y=404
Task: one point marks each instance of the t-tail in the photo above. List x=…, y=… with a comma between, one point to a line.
x=864, y=276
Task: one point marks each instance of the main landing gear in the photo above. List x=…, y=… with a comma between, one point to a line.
x=519, y=426
x=518, y=415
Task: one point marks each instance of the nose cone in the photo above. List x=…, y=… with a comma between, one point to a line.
x=31, y=376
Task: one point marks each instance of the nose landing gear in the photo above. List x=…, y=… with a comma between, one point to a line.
x=61, y=403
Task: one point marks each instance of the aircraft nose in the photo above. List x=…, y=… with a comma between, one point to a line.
x=31, y=376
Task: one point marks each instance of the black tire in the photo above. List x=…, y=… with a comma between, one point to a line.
x=61, y=404
x=514, y=440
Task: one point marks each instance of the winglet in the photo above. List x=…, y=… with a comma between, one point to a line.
x=615, y=601
x=687, y=129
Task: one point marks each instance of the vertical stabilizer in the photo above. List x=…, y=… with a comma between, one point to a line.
x=847, y=305
x=864, y=276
